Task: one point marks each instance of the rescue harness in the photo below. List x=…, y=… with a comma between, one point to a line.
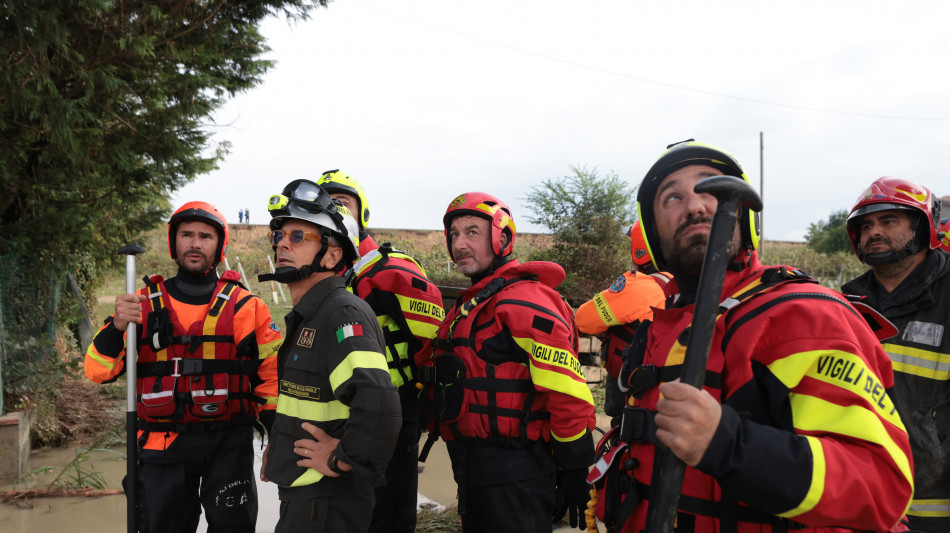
x=612, y=475
x=445, y=382
x=197, y=381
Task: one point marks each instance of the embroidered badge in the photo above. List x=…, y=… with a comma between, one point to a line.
x=349, y=330
x=274, y=327
x=618, y=285
x=306, y=337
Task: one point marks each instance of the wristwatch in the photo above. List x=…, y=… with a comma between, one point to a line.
x=332, y=463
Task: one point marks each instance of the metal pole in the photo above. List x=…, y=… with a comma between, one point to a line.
x=762, y=191
x=731, y=192
x=131, y=356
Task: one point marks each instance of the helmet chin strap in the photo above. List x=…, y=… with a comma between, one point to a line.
x=290, y=274
x=913, y=247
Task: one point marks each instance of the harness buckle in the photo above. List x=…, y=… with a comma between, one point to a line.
x=176, y=367
x=642, y=378
x=638, y=426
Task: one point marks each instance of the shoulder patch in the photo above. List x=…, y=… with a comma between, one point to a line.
x=419, y=284
x=542, y=324
x=306, y=337
x=348, y=330
x=619, y=284
x=274, y=327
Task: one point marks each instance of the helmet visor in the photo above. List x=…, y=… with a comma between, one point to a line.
x=304, y=194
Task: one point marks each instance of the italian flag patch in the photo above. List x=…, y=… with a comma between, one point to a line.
x=347, y=331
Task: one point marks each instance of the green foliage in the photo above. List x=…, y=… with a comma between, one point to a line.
x=831, y=236
x=586, y=214
x=831, y=270
x=436, y=520
x=104, y=110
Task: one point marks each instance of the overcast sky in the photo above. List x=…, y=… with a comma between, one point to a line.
x=423, y=100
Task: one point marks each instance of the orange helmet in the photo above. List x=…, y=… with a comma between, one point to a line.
x=202, y=212
x=945, y=234
x=638, y=246
x=889, y=193
x=486, y=206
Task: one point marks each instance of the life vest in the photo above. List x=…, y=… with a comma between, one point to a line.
x=619, y=493
x=404, y=300
x=194, y=381
x=481, y=404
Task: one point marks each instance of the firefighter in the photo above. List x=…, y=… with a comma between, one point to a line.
x=337, y=411
x=893, y=228
x=793, y=428
x=615, y=314
x=502, y=383
x=408, y=307
x=206, y=373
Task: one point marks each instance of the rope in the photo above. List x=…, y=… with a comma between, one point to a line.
x=589, y=515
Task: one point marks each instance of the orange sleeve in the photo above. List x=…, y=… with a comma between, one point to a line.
x=629, y=299
x=253, y=324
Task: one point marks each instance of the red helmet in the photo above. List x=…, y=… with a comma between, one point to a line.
x=897, y=194
x=638, y=246
x=202, y=212
x=486, y=206
x=945, y=234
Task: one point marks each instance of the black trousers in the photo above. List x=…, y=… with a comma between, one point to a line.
x=518, y=506
x=221, y=481
x=348, y=511
x=395, y=510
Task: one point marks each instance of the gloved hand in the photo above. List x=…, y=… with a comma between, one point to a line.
x=573, y=493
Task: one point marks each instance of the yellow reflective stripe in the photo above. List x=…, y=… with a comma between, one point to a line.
x=311, y=410
x=840, y=369
x=309, y=477
x=603, y=310
x=811, y=414
x=421, y=307
x=929, y=508
x=817, y=487
x=269, y=349
x=571, y=438
x=423, y=329
x=561, y=383
x=106, y=362
x=356, y=359
x=918, y=362
x=551, y=355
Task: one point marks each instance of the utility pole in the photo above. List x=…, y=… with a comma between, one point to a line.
x=762, y=191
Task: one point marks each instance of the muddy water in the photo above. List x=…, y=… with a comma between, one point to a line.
x=106, y=514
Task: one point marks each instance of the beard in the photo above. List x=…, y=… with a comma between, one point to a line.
x=199, y=268
x=684, y=255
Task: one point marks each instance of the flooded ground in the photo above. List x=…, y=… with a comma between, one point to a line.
x=106, y=514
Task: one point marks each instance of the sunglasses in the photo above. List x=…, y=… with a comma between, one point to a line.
x=296, y=236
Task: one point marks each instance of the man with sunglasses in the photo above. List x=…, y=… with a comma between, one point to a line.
x=409, y=308
x=206, y=372
x=338, y=413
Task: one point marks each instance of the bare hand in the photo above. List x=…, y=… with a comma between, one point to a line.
x=127, y=309
x=264, y=463
x=317, y=452
x=686, y=420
